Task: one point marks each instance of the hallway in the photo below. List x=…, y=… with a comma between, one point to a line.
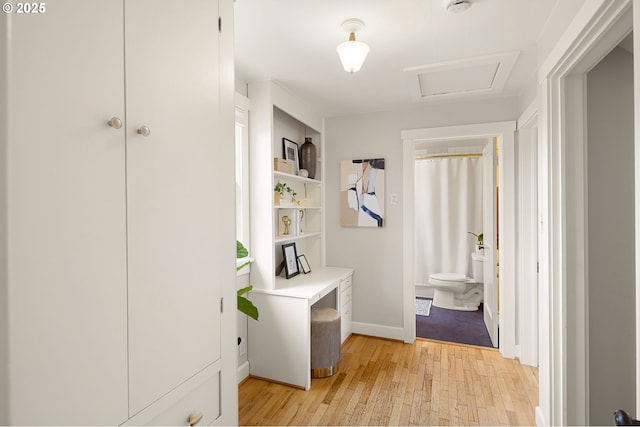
x=384, y=382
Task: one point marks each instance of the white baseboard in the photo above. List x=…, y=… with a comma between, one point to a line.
x=517, y=351
x=540, y=421
x=378, y=331
x=243, y=371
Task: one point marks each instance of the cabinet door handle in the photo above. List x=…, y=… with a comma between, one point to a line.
x=115, y=123
x=195, y=418
x=144, y=131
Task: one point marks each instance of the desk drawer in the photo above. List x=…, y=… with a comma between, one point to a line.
x=346, y=283
x=345, y=297
x=345, y=322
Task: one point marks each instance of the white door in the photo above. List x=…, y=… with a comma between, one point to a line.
x=490, y=247
x=67, y=240
x=180, y=193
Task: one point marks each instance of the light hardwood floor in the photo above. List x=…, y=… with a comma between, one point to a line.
x=384, y=382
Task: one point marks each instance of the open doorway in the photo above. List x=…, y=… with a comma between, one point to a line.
x=609, y=237
x=504, y=133
x=582, y=315
x=455, y=208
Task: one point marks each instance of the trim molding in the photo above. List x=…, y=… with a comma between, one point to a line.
x=598, y=26
x=243, y=371
x=379, y=331
x=540, y=421
x=528, y=224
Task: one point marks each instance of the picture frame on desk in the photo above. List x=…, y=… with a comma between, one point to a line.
x=304, y=264
x=290, y=152
x=290, y=256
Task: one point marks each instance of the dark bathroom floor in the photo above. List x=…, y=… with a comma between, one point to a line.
x=463, y=327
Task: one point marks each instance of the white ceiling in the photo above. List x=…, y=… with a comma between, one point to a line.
x=294, y=42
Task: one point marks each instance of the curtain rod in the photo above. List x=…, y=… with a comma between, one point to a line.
x=442, y=156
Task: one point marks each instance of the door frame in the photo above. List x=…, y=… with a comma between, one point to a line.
x=490, y=285
x=528, y=230
x=563, y=301
x=506, y=224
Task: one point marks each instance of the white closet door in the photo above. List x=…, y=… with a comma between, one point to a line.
x=67, y=264
x=175, y=194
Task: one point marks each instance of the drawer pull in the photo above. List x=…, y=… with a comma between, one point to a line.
x=115, y=123
x=195, y=418
x=144, y=131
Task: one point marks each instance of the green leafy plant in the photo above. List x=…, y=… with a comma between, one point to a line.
x=282, y=187
x=479, y=237
x=244, y=305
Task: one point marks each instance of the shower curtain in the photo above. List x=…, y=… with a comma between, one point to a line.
x=448, y=204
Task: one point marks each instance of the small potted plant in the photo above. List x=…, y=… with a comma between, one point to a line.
x=479, y=242
x=280, y=189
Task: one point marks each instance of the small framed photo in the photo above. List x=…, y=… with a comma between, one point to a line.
x=304, y=264
x=290, y=152
x=290, y=260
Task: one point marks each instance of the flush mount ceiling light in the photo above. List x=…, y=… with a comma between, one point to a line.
x=456, y=6
x=352, y=53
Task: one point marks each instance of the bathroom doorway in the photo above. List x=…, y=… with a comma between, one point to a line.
x=453, y=180
x=503, y=132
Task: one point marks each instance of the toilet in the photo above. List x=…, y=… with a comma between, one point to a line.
x=456, y=291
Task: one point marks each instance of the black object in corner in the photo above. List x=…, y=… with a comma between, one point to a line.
x=622, y=418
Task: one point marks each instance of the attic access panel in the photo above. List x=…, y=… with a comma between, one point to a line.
x=469, y=79
x=486, y=74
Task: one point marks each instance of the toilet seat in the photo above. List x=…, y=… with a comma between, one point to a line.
x=449, y=277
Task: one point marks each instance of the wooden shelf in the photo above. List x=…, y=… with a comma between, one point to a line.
x=295, y=207
x=283, y=239
x=296, y=178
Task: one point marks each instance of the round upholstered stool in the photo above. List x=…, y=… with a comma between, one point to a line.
x=325, y=341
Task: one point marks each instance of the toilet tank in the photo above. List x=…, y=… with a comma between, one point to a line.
x=477, y=266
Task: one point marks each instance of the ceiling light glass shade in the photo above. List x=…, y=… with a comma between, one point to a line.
x=352, y=54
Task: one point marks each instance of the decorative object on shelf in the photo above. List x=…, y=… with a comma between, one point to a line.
x=290, y=260
x=304, y=264
x=362, y=193
x=308, y=157
x=304, y=202
x=244, y=305
x=279, y=190
x=290, y=222
x=279, y=268
x=352, y=53
x=303, y=172
x=290, y=152
x=299, y=231
x=282, y=165
x=287, y=223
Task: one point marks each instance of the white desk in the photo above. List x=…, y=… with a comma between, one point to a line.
x=280, y=341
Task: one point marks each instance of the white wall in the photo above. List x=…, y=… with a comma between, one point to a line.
x=528, y=97
x=376, y=254
x=4, y=315
x=611, y=241
x=241, y=85
x=563, y=13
